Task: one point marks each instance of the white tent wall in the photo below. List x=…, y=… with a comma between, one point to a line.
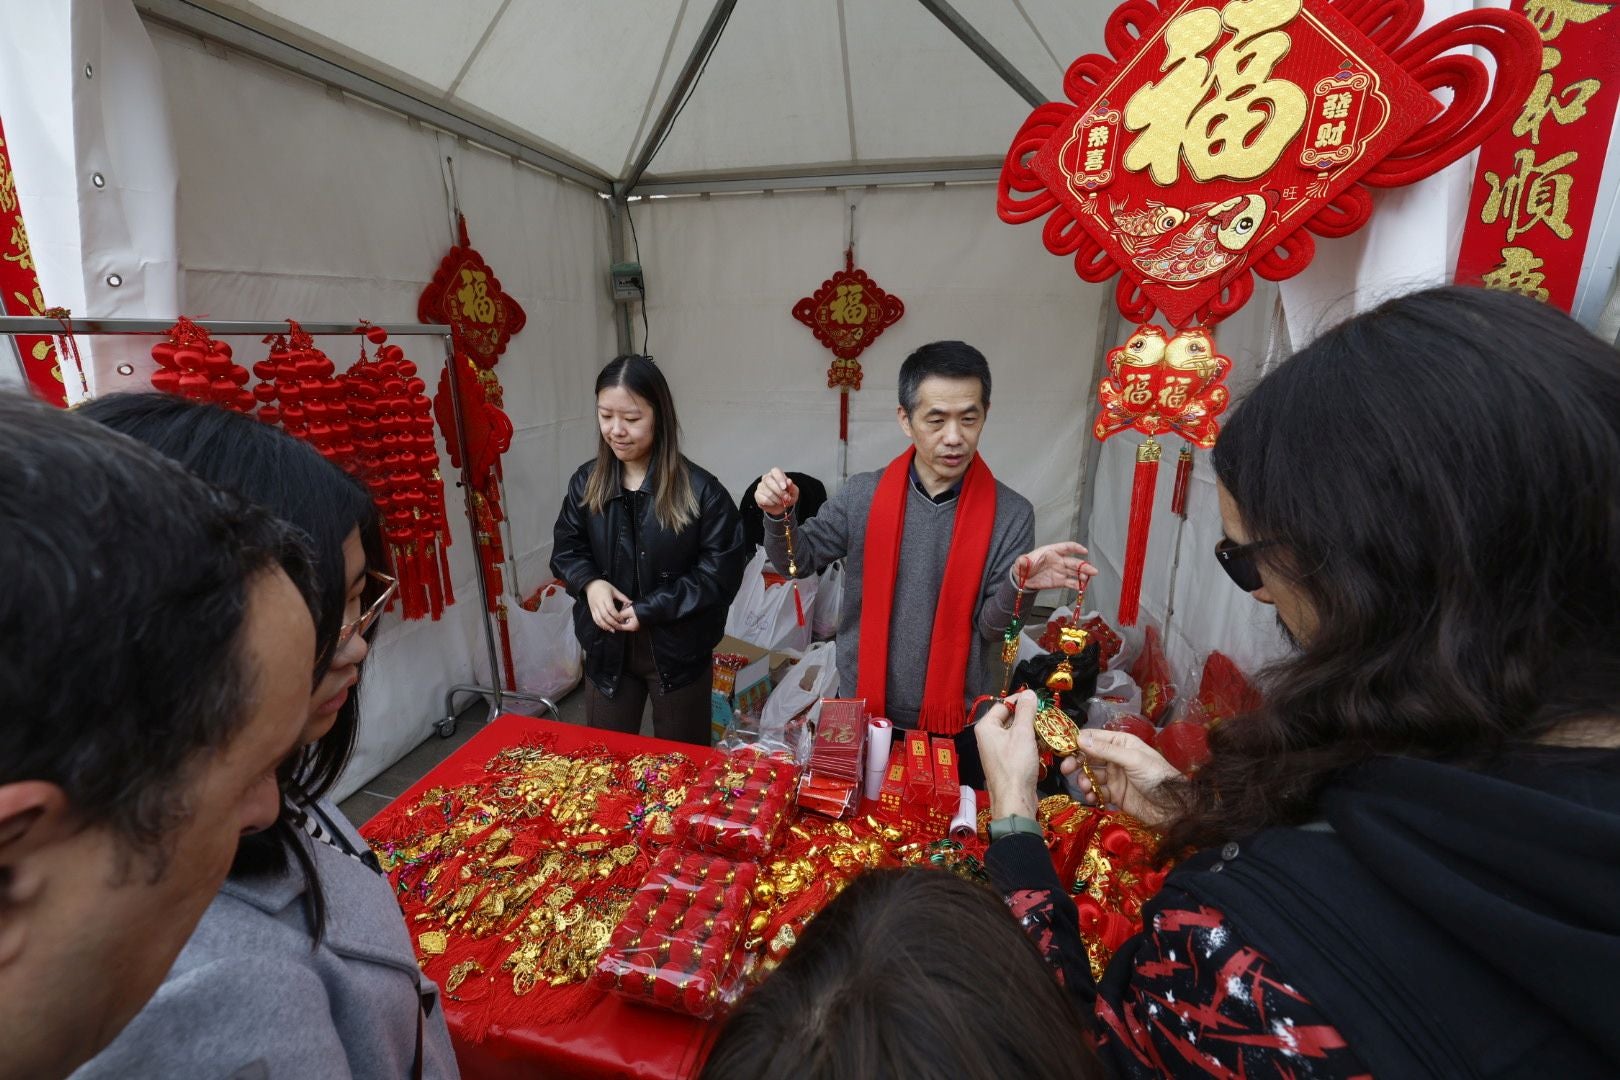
x=94, y=163
x=723, y=274
x=298, y=202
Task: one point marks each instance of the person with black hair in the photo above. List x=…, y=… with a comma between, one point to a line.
x=306, y=928
x=650, y=547
x=937, y=549
x=909, y=974
x=155, y=652
x=1404, y=862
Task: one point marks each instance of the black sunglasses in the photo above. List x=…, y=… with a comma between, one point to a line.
x=1238, y=562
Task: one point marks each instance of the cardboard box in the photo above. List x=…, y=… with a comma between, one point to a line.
x=776, y=663
x=892, y=797
x=919, y=769
x=947, y=781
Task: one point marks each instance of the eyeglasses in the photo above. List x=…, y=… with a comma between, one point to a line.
x=1238, y=562
x=369, y=617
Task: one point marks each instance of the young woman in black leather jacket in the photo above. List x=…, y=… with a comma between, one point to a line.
x=651, y=548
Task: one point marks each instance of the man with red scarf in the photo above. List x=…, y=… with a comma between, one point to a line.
x=935, y=550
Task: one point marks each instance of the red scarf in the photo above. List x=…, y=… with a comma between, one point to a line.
x=954, y=616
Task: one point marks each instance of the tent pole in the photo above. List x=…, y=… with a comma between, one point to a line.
x=1108, y=327
x=622, y=326
x=956, y=24
x=683, y=85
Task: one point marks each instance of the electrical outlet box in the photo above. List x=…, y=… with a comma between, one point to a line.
x=625, y=282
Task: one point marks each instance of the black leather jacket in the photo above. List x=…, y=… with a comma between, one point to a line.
x=682, y=583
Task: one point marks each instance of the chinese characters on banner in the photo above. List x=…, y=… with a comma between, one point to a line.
x=1536, y=186
x=19, y=290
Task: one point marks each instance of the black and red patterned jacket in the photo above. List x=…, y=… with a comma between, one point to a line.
x=1436, y=922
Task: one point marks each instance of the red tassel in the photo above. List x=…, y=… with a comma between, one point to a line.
x=798, y=604
x=1136, y=540
x=1178, y=497
x=506, y=650
x=430, y=571
x=444, y=570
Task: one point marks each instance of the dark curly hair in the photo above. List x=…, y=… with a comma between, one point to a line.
x=1439, y=479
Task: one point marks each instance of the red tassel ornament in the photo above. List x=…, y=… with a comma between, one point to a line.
x=1178, y=497
x=1159, y=385
x=1136, y=538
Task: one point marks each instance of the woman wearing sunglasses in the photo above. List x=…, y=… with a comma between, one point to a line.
x=1405, y=862
x=302, y=966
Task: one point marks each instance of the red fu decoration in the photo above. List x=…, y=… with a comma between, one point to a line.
x=466, y=294
x=847, y=314
x=1217, y=138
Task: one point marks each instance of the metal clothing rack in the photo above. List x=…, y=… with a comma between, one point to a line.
x=15, y=325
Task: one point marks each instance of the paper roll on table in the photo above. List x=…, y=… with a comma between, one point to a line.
x=965, y=825
x=879, y=740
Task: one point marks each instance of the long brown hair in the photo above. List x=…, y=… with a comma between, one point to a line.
x=1440, y=479
x=913, y=974
x=675, y=504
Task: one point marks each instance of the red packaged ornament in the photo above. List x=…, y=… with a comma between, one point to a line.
x=1152, y=673
x=737, y=805
x=678, y=944
x=1224, y=691
x=1184, y=744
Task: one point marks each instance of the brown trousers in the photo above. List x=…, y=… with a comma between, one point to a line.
x=679, y=715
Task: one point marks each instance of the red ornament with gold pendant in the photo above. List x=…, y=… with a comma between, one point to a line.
x=1215, y=141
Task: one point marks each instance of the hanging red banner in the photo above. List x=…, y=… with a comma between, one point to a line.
x=19, y=289
x=1536, y=185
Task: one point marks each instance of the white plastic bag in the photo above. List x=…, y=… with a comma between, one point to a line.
x=829, y=598
x=546, y=657
x=814, y=677
x=766, y=616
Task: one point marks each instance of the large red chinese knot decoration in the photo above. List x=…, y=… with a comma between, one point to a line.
x=466, y=294
x=1220, y=135
x=847, y=313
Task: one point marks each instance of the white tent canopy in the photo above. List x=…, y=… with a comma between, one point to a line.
x=301, y=158
x=791, y=87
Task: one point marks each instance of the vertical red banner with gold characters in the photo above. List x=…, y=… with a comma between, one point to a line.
x=1536, y=186
x=19, y=289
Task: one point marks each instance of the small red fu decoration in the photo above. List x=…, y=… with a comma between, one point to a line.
x=847, y=314
x=1220, y=135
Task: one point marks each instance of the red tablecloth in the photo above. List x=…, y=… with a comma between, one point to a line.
x=614, y=1037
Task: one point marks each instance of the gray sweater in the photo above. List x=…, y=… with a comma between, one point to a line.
x=249, y=997
x=838, y=531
